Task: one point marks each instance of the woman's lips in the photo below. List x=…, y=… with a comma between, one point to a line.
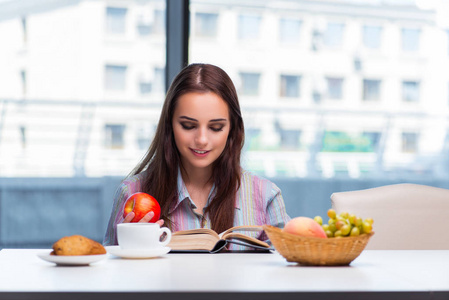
x=199, y=153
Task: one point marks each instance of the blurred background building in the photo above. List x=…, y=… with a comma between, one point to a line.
x=354, y=90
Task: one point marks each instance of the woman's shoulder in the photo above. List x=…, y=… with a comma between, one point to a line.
x=133, y=181
x=249, y=177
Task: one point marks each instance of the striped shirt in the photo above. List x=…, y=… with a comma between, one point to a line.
x=258, y=202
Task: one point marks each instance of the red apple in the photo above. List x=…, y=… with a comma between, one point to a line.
x=141, y=204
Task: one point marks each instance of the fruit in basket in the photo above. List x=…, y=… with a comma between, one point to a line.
x=305, y=226
x=346, y=224
x=141, y=204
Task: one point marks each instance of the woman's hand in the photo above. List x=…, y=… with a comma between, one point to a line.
x=145, y=219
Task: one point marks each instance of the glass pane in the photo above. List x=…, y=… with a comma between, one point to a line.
x=329, y=57
x=372, y=36
x=290, y=86
x=371, y=90
x=116, y=20
x=334, y=88
x=85, y=81
x=249, y=27
x=289, y=30
x=410, y=91
x=249, y=84
x=333, y=36
x=206, y=24
x=410, y=39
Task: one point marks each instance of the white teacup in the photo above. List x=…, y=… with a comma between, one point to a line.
x=142, y=235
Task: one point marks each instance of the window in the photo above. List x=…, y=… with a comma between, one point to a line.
x=116, y=20
x=289, y=31
x=145, y=80
x=290, y=86
x=151, y=24
x=252, y=138
x=409, y=142
x=144, y=87
x=333, y=36
x=410, y=91
x=249, y=84
x=410, y=39
x=159, y=22
x=372, y=36
x=115, y=77
x=144, y=137
x=249, y=27
x=78, y=60
x=334, y=88
x=289, y=139
x=373, y=138
x=371, y=90
x=159, y=80
x=114, y=136
x=206, y=24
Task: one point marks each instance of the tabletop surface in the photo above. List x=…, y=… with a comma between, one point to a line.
x=421, y=272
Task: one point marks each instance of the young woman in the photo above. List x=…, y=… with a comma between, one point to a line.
x=193, y=164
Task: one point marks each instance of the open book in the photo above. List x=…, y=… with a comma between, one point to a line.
x=207, y=240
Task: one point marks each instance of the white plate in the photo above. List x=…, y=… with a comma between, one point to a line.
x=137, y=253
x=71, y=260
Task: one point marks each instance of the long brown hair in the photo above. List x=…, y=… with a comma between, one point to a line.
x=162, y=160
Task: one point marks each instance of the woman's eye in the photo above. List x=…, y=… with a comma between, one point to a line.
x=217, y=128
x=187, y=126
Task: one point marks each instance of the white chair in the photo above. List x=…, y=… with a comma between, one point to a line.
x=406, y=216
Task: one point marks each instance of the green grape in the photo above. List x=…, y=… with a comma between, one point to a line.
x=329, y=233
x=344, y=214
x=337, y=233
x=360, y=227
x=367, y=227
x=345, y=230
x=331, y=221
x=369, y=220
x=358, y=221
x=339, y=224
x=319, y=220
x=355, y=231
x=332, y=227
x=331, y=213
x=325, y=227
x=352, y=218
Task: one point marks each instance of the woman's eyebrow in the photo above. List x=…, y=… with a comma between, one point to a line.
x=195, y=120
x=188, y=118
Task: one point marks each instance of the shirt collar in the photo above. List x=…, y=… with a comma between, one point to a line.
x=183, y=194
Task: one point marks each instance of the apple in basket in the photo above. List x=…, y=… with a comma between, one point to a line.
x=141, y=204
x=304, y=226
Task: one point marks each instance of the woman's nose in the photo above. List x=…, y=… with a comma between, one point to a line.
x=201, y=137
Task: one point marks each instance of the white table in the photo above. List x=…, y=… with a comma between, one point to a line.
x=374, y=274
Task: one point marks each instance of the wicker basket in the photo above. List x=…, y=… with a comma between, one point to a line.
x=317, y=251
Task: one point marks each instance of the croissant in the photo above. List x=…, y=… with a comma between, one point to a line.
x=77, y=245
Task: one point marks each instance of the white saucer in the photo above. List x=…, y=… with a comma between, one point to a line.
x=71, y=260
x=137, y=253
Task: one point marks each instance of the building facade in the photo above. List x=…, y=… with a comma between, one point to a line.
x=327, y=88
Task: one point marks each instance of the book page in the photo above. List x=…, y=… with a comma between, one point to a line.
x=197, y=231
x=247, y=239
x=241, y=228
